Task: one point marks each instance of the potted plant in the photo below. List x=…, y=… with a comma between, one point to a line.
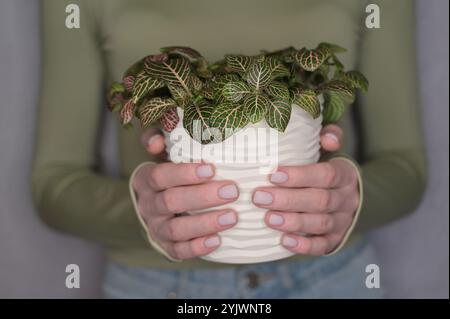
x=209, y=111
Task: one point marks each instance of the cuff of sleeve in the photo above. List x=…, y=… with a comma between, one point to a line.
x=361, y=197
x=141, y=219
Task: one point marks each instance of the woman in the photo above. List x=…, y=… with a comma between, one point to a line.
x=333, y=201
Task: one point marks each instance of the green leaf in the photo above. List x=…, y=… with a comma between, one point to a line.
x=238, y=63
x=175, y=71
x=343, y=90
x=356, y=79
x=127, y=126
x=115, y=99
x=235, y=91
x=143, y=84
x=282, y=53
x=332, y=48
x=259, y=58
x=202, y=69
x=152, y=109
x=196, y=121
x=334, y=108
x=278, y=115
x=293, y=92
x=196, y=83
x=179, y=95
x=228, y=118
x=310, y=60
x=219, y=82
x=338, y=64
x=323, y=70
x=116, y=107
x=208, y=93
x=278, y=69
x=259, y=75
x=183, y=51
x=135, y=69
x=308, y=100
x=117, y=87
x=255, y=107
x=278, y=90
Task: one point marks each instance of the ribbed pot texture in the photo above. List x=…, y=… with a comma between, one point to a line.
x=247, y=158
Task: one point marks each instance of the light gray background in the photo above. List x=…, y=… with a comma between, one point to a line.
x=414, y=251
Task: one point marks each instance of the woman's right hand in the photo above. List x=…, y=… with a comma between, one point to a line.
x=167, y=189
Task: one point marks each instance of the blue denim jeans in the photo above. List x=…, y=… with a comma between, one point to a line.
x=338, y=276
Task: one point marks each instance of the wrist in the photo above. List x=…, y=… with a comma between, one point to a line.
x=133, y=193
x=359, y=184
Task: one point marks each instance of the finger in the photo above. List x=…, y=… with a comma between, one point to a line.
x=189, y=227
x=315, y=245
x=331, y=138
x=189, y=198
x=315, y=224
x=194, y=248
x=166, y=175
x=341, y=223
x=153, y=141
x=156, y=145
x=306, y=200
x=321, y=175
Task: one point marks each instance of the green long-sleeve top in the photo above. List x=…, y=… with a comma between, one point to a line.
x=382, y=129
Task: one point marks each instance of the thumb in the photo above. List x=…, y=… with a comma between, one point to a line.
x=331, y=138
x=153, y=141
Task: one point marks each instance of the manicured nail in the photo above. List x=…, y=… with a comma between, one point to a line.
x=212, y=242
x=228, y=192
x=278, y=177
x=276, y=220
x=332, y=136
x=227, y=219
x=290, y=242
x=152, y=139
x=262, y=198
x=203, y=171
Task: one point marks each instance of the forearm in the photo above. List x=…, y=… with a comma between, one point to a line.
x=69, y=194
x=393, y=186
x=85, y=204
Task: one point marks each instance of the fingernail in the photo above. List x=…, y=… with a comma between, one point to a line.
x=276, y=220
x=152, y=139
x=332, y=136
x=262, y=198
x=228, y=192
x=227, y=219
x=290, y=242
x=212, y=242
x=203, y=171
x=278, y=177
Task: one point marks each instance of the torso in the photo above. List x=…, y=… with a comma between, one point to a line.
x=133, y=29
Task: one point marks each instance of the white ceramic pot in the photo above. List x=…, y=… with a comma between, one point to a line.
x=251, y=241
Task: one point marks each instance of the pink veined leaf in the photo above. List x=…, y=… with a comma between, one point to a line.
x=169, y=119
x=128, y=83
x=126, y=114
x=163, y=57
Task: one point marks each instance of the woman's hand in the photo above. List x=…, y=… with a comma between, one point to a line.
x=318, y=200
x=153, y=141
x=164, y=190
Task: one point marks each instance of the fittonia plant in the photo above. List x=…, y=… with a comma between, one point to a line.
x=238, y=90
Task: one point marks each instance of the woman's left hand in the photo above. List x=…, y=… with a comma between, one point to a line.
x=318, y=200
